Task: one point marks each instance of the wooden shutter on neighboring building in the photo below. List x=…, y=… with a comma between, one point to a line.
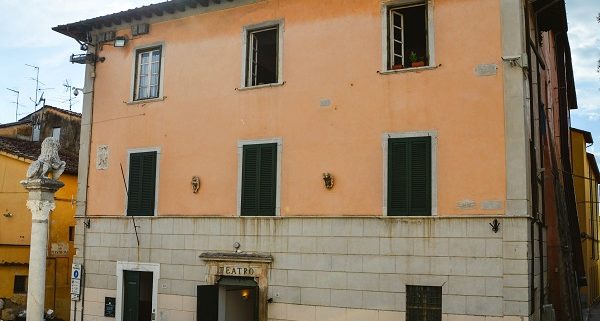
x=142, y=184
x=259, y=180
x=409, y=176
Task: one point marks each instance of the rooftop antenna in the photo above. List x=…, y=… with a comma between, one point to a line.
x=37, y=84
x=42, y=101
x=73, y=91
x=16, y=103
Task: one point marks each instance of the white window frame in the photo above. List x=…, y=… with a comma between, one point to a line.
x=386, y=29
x=133, y=92
x=246, y=31
x=434, y=142
x=137, y=267
x=240, y=152
x=143, y=150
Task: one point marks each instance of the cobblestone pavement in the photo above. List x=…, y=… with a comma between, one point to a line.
x=594, y=313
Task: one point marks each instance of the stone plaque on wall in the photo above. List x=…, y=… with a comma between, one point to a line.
x=59, y=249
x=102, y=157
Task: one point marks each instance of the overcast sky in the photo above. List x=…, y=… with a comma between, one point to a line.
x=27, y=39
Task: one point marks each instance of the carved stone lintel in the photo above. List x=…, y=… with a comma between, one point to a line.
x=40, y=210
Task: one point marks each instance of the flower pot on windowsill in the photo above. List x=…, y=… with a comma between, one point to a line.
x=416, y=64
x=397, y=66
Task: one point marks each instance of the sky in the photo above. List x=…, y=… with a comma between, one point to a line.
x=28, y=40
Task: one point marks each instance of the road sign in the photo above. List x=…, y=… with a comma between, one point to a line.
x=76, y=271
x=75, y=282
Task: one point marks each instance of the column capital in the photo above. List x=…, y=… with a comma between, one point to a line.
x=40, y=210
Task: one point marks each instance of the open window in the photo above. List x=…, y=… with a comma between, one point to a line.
x=408, y=36
x=262, y=56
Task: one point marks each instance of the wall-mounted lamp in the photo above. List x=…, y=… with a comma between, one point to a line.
x=195, y=184
x=120, y=41
x=7, y=214
x=328, y=180
x=245, y=295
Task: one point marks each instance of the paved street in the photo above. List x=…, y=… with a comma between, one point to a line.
x=595, y=313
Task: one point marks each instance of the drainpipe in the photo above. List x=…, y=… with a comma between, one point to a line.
x=90, y=74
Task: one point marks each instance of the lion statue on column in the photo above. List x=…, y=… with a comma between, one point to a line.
x=48, y=162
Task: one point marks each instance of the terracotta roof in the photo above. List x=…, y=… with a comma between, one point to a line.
x=79, y=30
x=31, y=150
x=27, y=119
x=594, y=165
x=60, y=110
x=586, y=135
x=20, y=122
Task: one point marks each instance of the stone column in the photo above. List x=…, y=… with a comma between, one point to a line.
x=40, y=203
x=41, y=189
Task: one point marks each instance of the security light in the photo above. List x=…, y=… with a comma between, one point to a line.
x=120, y=41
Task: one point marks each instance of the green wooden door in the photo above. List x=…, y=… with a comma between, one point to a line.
x=131, y=295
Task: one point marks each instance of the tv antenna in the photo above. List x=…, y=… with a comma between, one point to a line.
x=37, y=85
x=73, y=91
x=16, y=103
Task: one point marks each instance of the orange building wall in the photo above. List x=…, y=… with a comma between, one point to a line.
x=331, y=50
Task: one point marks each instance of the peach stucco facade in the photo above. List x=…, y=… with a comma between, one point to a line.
x=477, y=126
x=332, y=50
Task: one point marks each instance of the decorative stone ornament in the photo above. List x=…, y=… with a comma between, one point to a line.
x=195, y=184
x=48, y=162
x=102, y=157
x=328, y=180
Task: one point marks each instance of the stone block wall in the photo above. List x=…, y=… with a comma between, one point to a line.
x=338, y=269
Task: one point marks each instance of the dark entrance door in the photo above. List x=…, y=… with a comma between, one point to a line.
x=234, y=297
x=137, y=296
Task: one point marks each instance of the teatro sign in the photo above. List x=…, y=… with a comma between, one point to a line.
x=239, y=270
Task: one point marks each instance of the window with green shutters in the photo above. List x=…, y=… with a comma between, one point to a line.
x=409, y=176
x=142, y=184
x=259, y=180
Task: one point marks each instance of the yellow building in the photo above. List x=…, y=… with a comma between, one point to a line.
x=586, y=178
x=15, y=157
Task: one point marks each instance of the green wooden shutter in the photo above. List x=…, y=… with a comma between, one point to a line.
x=409, y=176
x=142, y=184
x=259, y=180
x=267, y=180
x=250, y=180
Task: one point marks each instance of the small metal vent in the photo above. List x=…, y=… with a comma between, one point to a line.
x=106, y=36
x=140, y=29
